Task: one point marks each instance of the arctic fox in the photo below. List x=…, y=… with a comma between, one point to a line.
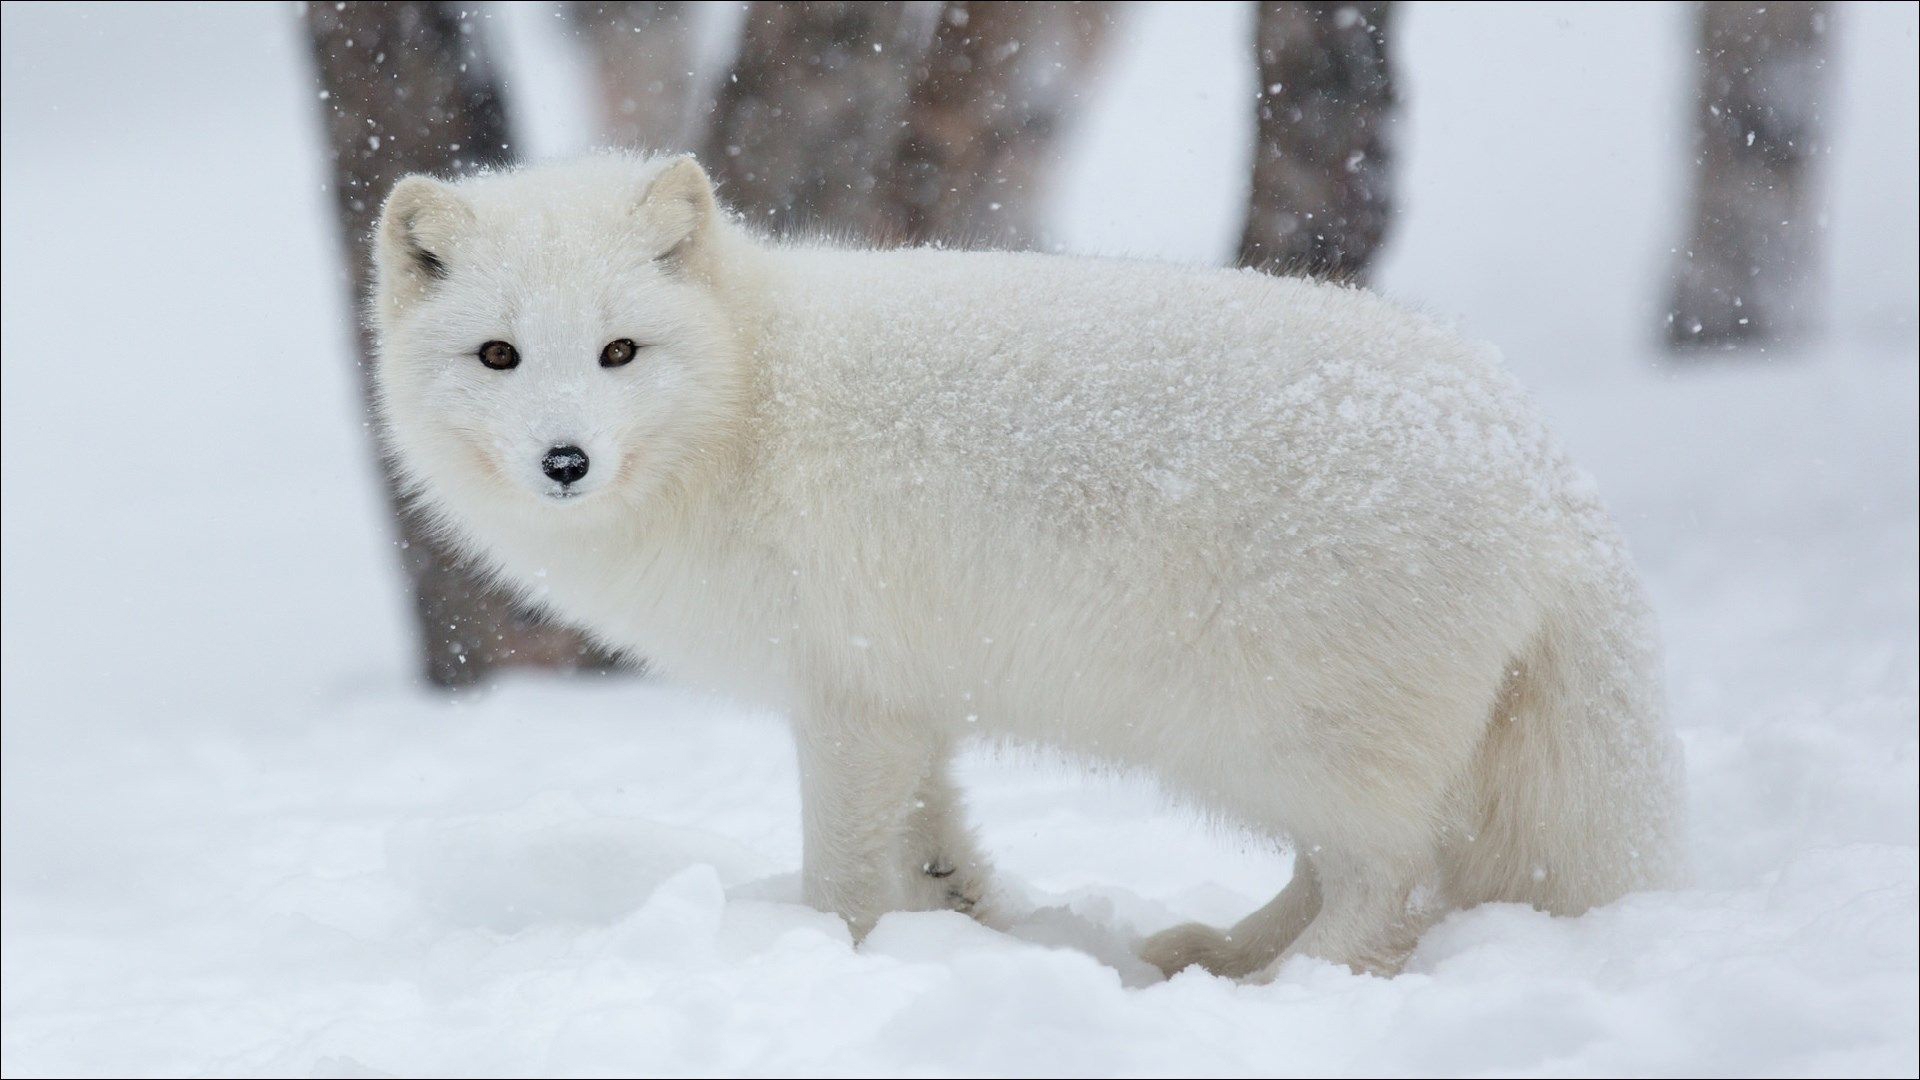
x=1309, y=559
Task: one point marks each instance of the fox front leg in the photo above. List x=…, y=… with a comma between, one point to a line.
x=942, y=866
x=861, y=770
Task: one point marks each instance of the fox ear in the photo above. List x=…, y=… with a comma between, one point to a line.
x=418, y=226
x=677, y=208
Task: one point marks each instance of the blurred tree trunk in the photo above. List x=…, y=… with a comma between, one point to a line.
x=407, y=87
x=805, y=125
x=1322, y=193
x=989, y=99
x=1747, y=270
x=643, y=62
x=896, y=122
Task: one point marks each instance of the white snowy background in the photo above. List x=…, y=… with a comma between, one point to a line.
x=239, y=839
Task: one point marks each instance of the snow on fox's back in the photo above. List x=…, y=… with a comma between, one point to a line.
x=1310, y=559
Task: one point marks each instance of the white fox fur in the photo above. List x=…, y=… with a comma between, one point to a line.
x=1308, y=558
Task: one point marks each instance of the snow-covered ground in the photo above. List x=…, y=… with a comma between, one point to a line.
x=239, y=840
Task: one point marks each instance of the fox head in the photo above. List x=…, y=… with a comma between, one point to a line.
x=553, y=343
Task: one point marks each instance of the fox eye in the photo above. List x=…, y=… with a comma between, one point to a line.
x=499, y=355
x=618, y=352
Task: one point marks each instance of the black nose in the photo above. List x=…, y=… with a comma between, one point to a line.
x=565, y=463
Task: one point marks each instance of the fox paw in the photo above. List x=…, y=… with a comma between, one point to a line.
x=1175, y=950
x=942, y=886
